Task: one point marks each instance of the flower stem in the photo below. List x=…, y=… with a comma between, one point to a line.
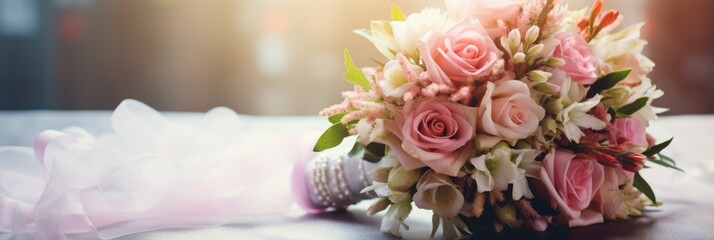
x=544, y=14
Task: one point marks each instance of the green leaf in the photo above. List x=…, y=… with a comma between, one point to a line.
x=353, y=74
x=336, y=118
x=612, y=113
x=644, y=187
x=397, y=14
x=608, y=81
x=657, y=148
x=665, y=162
x=381, y=64
x=373, y=152
x=332, y=137
x=633, y=107
x=666, y=159
x=357, y=149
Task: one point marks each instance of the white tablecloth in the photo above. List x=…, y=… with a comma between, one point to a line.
x=687, y=213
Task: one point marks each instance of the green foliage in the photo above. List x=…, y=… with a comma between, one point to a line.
x=373, y=152
x=332, y=137
x=336, y=118
x=353, y=74
x=644, y=187
x=632, y=108
x=664, y=161
x=608, y=81
x=657, y=148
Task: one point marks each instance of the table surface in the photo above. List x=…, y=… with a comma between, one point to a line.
x=687, y=213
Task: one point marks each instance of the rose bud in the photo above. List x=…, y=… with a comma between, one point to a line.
x=635, y=162
x=596, y=9
x=609, y=18
x=401, y=180
x=605, y=159
x=378, y=206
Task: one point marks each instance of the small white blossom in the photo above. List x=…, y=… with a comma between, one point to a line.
x=494, y=170
x=575, y=116
x=527, y=167
x=393, y=220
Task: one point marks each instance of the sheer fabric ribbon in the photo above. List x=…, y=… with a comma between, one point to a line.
x=149, y=174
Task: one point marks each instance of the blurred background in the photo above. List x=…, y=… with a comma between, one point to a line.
x=268, y=57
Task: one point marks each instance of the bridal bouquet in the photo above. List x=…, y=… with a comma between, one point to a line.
x=503, y=115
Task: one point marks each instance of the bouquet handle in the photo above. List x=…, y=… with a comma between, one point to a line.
x=331, y=181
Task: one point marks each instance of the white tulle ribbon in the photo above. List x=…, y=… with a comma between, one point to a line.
x=150, y=173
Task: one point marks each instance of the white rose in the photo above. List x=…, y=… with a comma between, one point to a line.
x=622, y=50
x=488, y=12
x=408, y=33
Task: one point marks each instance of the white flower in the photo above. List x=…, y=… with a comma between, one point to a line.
x=575, y=116
x=646, y=89
x=396, y=77
x=437, y=192
x=368, y=132
x=393, y=220
x=379, y=188
x=494, y=170
x=623, y=50
x=382, y=37
x=527, y=167
x=408, y=33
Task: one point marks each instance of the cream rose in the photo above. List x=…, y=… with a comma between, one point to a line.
x=407, y=33
x=459, y=56
x=506, y=112
x=622, y=50
x=488, y=12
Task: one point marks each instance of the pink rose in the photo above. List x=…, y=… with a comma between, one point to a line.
x=609, y=199
x=437, y=192
x=580, y=63
x=572, y=180
x=432, y=132
x=459, y=56
x=488, y=12
x=631, y=134
x=507, y=112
